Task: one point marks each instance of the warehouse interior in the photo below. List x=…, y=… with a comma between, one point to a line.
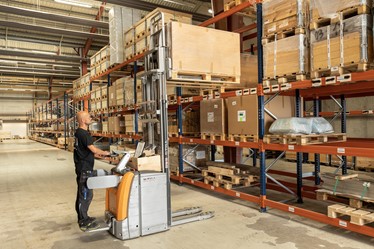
x=230, y=123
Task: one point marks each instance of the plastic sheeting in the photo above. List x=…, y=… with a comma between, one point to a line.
x=301, y=126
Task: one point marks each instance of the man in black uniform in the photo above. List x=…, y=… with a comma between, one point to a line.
x=84, y=157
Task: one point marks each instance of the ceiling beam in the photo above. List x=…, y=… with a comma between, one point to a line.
x=36, y=69
x=51, y=30
x=25, y=53
x=147, y=6
x=38, y=74
x=47, y=63
x=43, y=40
x=53, y=17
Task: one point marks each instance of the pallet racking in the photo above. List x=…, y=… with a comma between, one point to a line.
x=349, y=85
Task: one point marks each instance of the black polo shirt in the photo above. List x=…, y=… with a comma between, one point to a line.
x=83, y=156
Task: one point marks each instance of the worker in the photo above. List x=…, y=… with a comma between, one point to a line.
x=84, y=157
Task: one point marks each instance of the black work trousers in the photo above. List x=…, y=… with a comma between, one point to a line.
x=84, y=195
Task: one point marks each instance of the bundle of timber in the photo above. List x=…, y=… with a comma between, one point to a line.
x=282, y=17
x=352, y=186
x=342, y=47
x=227, y=176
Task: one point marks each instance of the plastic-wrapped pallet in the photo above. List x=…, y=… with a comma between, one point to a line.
x=322, y=9
x=116, y=35
x=286, y=57
x=282, y=15
x=321, y=126
x=334, y=48
x=291, y=126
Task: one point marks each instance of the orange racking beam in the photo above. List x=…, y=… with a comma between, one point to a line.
x=321, y=218
x=225, y=14
x=246, y=28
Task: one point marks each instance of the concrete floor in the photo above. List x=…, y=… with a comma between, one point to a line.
x=37, y=194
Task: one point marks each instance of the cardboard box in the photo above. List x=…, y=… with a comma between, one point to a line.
x=213, y=116
x=249, y=71
x=112, y=96
x=116, y=125
x=243, y=113
x=152, y=163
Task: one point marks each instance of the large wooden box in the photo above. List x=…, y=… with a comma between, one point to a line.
x=286, y=57
x=152, y=163
x=249, y=70
x=209, y=54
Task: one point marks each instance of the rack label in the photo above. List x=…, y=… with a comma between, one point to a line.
x=237, y=143
x=291, y=147
x=237, y=194
x=192, y=181
x=341, y=150
x=212, y=187
x=291, y=209
x=342, y=223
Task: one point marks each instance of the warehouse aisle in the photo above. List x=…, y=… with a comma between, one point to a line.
x=37, y=194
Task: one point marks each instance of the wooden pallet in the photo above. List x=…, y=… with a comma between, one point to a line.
x=212, y=137
x=226, y=177
x=341, y=70
x=283, y=79
x=357, y=216
x=242, y=138
x=323, y=22
x=247, y=11
x=282, y=34
x=305, y=139
x=354, y=11
x=204, y=77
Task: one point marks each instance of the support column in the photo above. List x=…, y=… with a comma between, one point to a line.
x=317, y=163
x=299, y=155
x=344, y=130
x=180, y=130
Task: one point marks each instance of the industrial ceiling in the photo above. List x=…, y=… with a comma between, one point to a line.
x=44, y=41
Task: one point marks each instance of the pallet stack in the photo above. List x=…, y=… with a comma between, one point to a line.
x=285, y=41
x=81, y=86
x=137, y=38
x=100, y=62
x=341, y=37
x=130, y=124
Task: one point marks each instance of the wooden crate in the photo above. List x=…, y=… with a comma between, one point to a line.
x=286, y=57
x=194, y=54
x=146, y=163
x=274, y=11
x=281, y=26
x=141, y=45
x=336, y=56
x=140, y=29
x=129, y=37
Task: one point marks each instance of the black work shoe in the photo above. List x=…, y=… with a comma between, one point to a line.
x=91, y=219
x=94, y=225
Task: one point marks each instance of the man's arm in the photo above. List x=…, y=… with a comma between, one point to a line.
x=97, y=151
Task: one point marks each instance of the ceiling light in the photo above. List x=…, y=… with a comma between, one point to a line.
x=75, y=3
x=210, y=11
